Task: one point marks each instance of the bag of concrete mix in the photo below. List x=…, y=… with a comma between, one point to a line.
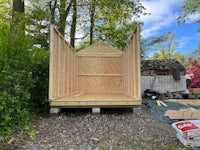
x=188, y=128
x=188, y=141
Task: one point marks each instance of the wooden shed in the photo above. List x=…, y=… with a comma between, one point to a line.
x=95, y=77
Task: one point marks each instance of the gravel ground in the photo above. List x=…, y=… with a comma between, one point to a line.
x=118, y=129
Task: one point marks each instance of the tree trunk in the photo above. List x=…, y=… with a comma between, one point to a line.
x=52, y=8
x=64, y=12
x=73, y=25
x=18, y=13
x=92, y=19
x=18, y=5
x=18, y=23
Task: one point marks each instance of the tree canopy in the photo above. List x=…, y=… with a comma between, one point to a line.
x=189, y=7
x=82, y=21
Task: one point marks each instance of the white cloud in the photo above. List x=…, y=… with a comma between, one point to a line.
x=183, y=41
x=193, y=18
x=163, y=14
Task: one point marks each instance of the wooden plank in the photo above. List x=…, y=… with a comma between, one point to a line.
x=61, y=66
x=158, y=102
x=108, y=75
x=129, y=70
x=162, y=103
x=132, y=67
x=195, y=91
x=138, y=63
x=60, y=79
x=96, y=103
x=55, y=66
x=51, y=61
x=192, y=102
x=98, y=96
x=183, y=114
x=99, y=54
x=91, y=100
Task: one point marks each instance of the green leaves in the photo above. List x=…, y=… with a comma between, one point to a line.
x=17, y=81
x=189, y=8
x=166, y=47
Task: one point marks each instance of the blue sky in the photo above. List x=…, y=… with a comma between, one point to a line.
x=163, y=19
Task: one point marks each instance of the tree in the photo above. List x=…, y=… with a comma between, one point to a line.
x=73, y=25
x=167, y=47
x=189, y=7
x=59, y=11
x=149, y=44
x=38, y=23
x=24, y=75
x=112, y=20
x=197, y=51
x=18, y=15
x=5, y=9
x=109, y=20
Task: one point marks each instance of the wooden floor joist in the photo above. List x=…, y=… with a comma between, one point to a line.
x=191, y=102
x=94, y=100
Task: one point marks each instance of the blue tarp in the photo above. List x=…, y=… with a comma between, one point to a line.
x=159, y=111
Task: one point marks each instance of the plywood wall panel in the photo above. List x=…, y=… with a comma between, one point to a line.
x=111, y=65
x=132, y=66
x=110, y=84
x=138, y=62
x=87, y=65
x=99, y=68
x=55, y=66
x=87, y=84
x=61, y=66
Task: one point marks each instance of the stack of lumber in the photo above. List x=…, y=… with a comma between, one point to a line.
x=188, y=132
x=189, y=113
x=159, y=103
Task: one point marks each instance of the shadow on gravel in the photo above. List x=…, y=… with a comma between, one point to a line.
x=112, y=111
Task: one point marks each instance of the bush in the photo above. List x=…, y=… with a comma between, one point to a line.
x=23, y=82
x=40, y=76
x=15, y=82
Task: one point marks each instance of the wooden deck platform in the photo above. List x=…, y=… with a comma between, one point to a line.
x=85, y=100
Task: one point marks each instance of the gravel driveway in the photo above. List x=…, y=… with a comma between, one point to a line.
x=118, y=129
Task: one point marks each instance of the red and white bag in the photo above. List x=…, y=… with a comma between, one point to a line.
x=188, y=128
x=188, y=142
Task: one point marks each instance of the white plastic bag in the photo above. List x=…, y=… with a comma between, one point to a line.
x=188, y=128
x=188, y=142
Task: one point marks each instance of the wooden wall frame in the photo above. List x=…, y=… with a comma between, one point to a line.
x=97, y=76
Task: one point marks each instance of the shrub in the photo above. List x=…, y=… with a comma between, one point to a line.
x=40, y=76
x=23, y=81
